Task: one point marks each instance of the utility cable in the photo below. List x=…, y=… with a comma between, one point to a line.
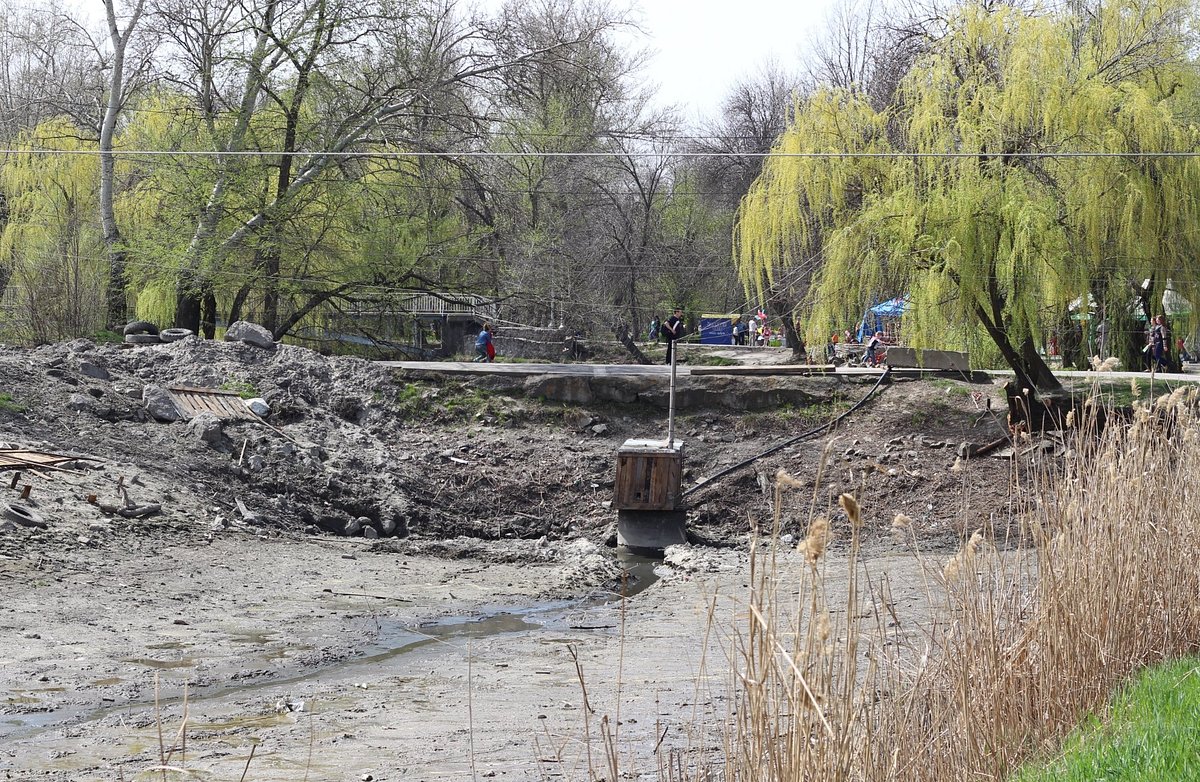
x=705, y=482
x=683, y=154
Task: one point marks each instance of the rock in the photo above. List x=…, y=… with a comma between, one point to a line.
x=255, y=463
x=313, y=451
x=7, y=527
x=387, y=525
x=578, y=419
x=600, y=429
x=251, y=334
x=560, y=388
x=160, y=404
x=258, y=406
x=207, y=428
x=78, y=402
x=370, y=532
x=96, y=392
x=352, y=528
x=92, y=370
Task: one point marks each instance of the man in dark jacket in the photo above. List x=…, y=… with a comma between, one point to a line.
x=673, y=330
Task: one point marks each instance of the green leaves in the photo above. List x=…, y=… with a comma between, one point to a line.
x=979, y=219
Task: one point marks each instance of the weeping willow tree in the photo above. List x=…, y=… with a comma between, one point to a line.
x=51, y=265
x=1013, y=176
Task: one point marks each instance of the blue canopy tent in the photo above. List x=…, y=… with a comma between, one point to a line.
x=877, y=316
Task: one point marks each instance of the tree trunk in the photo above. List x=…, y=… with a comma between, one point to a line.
x=622, y=332
x=779, y=301
x=208, y=312
x=116, y=309
x=187, y=308
x=1027, y=364
x=239, y=301
x=271, y=287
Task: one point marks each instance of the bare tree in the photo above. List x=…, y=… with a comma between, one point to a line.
x=117, y=94
x=753, y=115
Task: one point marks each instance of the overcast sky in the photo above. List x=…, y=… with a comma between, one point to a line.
x=699, y=48
x=703, y=46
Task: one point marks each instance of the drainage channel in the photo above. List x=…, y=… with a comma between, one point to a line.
x=394, y=639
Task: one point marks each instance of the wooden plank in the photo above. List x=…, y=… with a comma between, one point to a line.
x=226, y=405
x=767, y=370
x=204, y=391
x=647, y=481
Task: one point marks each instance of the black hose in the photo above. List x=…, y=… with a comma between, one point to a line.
x=776, y=448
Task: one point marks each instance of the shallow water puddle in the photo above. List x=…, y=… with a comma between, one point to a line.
x=393, y=638
x=185, y=662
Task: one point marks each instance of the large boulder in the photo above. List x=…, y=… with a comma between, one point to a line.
x=160, y=404
x=251, y=334
x=206, y=428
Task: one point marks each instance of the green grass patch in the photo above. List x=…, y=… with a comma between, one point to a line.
x=1150, y=734
x=106, y=337
x=453, y=402
x=711, y=361
x=10, y=405
x=811, y=415
x=244, y=388
x=1121, y=393
x=951, y=387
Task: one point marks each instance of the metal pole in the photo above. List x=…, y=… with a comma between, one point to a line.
x=671, y=405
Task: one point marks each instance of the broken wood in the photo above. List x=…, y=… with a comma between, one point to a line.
x=971, y=450
x=128, y=510
x=364, y=594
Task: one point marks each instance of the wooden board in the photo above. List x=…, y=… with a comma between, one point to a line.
x=16, y=458
x=648, y=481
x=767, y=370
x=226, y=405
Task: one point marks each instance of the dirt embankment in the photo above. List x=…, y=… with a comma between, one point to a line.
x=258, y=582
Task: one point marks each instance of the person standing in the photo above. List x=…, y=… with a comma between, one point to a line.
x=655, y=326
x=1158, y=344
x=673, y=330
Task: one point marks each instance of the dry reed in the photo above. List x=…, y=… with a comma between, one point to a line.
x=1031, y=636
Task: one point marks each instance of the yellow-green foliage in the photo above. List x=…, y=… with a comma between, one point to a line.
x=958, y=232
x=50, y=243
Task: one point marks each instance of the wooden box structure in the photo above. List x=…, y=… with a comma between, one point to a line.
x=649, y=475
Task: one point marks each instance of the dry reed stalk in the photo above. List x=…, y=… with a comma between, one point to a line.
x=1032, y=636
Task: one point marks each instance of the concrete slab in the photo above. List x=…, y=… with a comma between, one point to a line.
x=927, y=359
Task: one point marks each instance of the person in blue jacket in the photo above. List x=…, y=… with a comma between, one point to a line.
x=483, y=345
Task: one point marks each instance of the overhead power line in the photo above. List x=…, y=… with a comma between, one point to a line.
x=607, y=154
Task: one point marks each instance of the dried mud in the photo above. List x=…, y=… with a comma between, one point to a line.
x=455, y=642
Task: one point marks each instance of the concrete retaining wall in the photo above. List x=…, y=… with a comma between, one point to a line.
x=927, y=359
x=690, y=393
